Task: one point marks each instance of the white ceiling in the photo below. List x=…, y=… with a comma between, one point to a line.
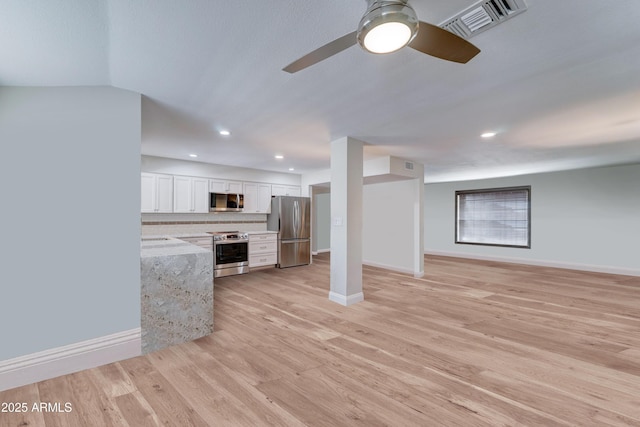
x=560, y=83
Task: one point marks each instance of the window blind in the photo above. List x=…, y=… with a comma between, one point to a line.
x=494, y=217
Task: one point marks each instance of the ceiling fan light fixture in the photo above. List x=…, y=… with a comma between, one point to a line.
x=387, y=26
x=387, y=37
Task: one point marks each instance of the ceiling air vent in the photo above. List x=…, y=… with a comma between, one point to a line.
x=408, y=165
x=482, y=16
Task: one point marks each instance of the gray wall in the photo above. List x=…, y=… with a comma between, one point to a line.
x=391, y=226
x=322, y=222
x=70, y=224
x=390, y=219
x=587, y=219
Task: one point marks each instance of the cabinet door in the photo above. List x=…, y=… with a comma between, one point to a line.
x=164, y=193
x=200, y=194
x=216, y=186
x=148, y=192
x=293, y=191
x=250, y=197
x=156, y=192
x=264, y=198
x=285, y=190
x=234, y=187
x=224, y=186
x=182, y=194
x=278, y=190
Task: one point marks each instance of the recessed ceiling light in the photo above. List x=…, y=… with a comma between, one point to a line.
x=193, y=155
x=488, y=135
x=279, y=156
x=225, y=133
x=291, y=169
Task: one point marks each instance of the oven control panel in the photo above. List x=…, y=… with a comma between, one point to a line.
x=231, y=236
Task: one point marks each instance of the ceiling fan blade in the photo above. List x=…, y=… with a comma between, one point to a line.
x=322, y=53
x=442, y=44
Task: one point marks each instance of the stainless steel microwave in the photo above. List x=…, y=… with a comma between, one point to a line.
x=222, y=202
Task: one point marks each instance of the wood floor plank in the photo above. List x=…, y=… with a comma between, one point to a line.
x=136, y=410
x=96, y=407
x=168, y=404
x=471, y=343
x=59, y=390
x=434, y=393
x=268, y=412
x=205, y=395
x=18, y=407
x=112, y=379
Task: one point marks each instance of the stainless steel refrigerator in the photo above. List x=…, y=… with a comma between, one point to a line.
x=290, y=217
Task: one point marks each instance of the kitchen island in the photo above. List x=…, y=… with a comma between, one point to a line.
x=176, y=292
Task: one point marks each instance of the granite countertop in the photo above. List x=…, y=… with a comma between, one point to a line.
x=164, y=245
x=153, y=246
x=202, y=234
x=180, y=236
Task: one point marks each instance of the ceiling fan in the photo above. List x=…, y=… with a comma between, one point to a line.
x=389, y=25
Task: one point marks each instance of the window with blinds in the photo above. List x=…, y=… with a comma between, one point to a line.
x=496, y=217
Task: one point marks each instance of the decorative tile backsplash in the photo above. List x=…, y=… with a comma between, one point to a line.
x=176, y=224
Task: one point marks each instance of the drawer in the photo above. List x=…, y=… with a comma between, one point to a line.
x=272, y=237
x=262, y=247
x=263, y=259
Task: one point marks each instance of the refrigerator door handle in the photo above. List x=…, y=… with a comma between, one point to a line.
x=296, y=217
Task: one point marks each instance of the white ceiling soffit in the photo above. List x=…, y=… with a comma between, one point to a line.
x=482, y=16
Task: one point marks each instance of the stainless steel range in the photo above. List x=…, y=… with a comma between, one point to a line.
x=230, y=253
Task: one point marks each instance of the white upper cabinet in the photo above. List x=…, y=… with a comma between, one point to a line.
x=190, y=194
x=201, y=194
x=250, y=191
x=162, y=193
x=224, y=186
x=156, y=193
x=264, y=198
x=257, y=197
x=285, y=190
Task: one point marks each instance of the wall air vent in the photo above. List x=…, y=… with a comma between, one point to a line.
x=482, y=16
x=408, y=165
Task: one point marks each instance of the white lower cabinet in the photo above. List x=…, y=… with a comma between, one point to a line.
x=263, y=250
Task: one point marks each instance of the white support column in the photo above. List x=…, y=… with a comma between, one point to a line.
x=346, y=221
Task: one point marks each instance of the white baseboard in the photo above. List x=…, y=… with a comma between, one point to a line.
x=346, y=300
x=542, y=263
x=417, y=274
x=71, y=358
x=393, y=268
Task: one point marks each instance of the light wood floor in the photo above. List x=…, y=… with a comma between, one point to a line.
x=470, y=344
